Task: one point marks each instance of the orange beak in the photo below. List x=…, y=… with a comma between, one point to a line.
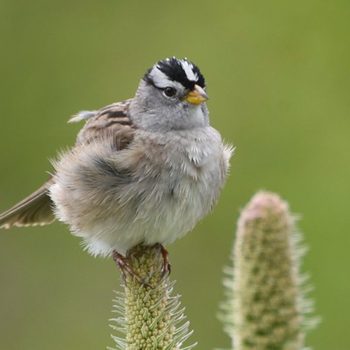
x=196, y=96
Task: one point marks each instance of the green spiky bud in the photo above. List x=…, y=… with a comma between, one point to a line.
x=266, y=307
x=149, y=317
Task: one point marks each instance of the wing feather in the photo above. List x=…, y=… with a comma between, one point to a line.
x=111, y=121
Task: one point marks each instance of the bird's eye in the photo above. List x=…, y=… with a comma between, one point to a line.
x=169, y=91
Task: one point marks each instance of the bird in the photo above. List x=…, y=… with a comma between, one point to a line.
x=142, y=171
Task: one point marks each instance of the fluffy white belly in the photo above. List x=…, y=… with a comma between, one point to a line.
x=155, y=220
x=115, y=200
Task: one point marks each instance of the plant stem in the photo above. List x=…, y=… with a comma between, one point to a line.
x=149, y=317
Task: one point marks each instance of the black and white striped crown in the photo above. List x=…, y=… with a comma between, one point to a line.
x=172, y=69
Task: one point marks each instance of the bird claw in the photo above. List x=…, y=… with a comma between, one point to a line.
x=123, y=263
x=166, y=268
x=124, y=266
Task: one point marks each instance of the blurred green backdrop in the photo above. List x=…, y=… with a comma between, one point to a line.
x=278, y=77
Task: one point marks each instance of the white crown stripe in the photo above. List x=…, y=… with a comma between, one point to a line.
x=188, y=68
x=159, y=78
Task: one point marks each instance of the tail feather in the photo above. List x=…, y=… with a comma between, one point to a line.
x=34, y=210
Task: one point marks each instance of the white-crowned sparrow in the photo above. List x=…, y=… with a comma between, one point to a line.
x=144, y=170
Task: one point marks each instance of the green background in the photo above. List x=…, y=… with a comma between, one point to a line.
x=278, y=78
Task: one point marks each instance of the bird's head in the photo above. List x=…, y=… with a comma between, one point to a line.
x=171, y=96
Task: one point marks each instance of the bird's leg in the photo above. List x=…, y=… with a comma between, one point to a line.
x=166, y=269
x=122, y=262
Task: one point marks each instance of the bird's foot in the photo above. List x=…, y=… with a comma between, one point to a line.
x=124, y=266
x=166, y=269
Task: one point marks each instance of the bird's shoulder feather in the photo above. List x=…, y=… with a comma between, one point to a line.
x=112, y=121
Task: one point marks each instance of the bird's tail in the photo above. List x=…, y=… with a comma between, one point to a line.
x=36, y=209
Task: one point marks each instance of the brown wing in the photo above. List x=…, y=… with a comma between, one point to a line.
x=36, y=209
x=110, y=121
